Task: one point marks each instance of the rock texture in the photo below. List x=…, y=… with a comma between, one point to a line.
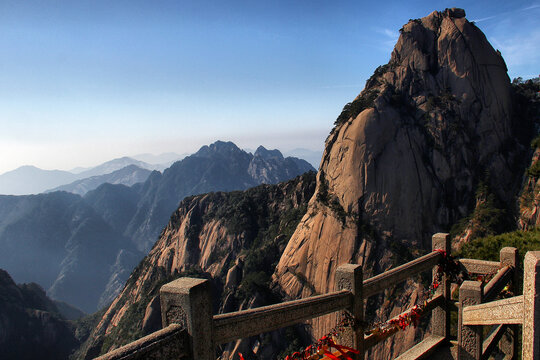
x=233, y=238
x=530, y=196
x=406, y=156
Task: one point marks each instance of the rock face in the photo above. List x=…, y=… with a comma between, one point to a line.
x=530, y=196
x=406, y=156
x=30, y=324
x=233, y=238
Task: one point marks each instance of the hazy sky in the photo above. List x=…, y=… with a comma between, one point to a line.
x=82, y=82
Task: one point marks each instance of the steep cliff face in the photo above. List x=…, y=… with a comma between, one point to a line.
x=406, y=156
x=233, y=238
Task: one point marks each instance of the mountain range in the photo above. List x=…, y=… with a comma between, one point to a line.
x=83, y=248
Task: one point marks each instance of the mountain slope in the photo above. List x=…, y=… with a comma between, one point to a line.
x=205, y=236
x=60, y=242
x=30, y=324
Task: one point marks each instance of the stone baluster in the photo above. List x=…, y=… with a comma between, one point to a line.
x=508, y=256
x=531, y=306
x=440, y=316
x=470, y=338
x=187, y=301
x=349, y=277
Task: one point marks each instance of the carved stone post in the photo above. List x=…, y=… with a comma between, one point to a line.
x=509, y=256
x=187, y=301
x=531, y=306
x=349, y=277
x=440, y=316
x=470, y=338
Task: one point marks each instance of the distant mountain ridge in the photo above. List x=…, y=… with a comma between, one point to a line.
x=129, y=175
x=27, y=180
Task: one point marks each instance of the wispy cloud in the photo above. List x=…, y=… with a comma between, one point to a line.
x=519, y=50
x=534, y=6
x=342, y=86
x=486, y=18
x=389, y=40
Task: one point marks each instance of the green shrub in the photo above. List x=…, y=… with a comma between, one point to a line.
x=488, y=248
x=352, y=109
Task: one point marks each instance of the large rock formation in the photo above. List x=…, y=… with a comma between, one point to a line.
x=405, y=157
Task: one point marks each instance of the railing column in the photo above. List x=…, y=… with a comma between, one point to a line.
x=469, y=337
x=349, y=277
x=509, y=256
x=187, y=301
x=440, y=316
x=531, y=306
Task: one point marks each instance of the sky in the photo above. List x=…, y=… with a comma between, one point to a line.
x=83, y=82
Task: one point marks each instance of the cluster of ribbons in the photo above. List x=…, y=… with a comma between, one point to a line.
x=322, y=348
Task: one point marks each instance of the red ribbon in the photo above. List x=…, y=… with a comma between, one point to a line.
x=240, y=356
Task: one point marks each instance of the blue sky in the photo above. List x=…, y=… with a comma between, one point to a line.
x=82, y=82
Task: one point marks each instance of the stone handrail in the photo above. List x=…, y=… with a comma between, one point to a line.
x=168, y=343
x=391, y=277
x=241, y=324
x=478, y=309
x=475, y=266
x=499, y=281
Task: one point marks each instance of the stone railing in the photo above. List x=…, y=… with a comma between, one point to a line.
x=477, y=309
x=193, y=332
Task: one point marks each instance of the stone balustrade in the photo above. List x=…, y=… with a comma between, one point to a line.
x=186, y=306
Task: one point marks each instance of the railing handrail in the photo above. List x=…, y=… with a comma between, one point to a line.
x=380, y=282
x=245, y=323
x=152, y=345
x=499, y=281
